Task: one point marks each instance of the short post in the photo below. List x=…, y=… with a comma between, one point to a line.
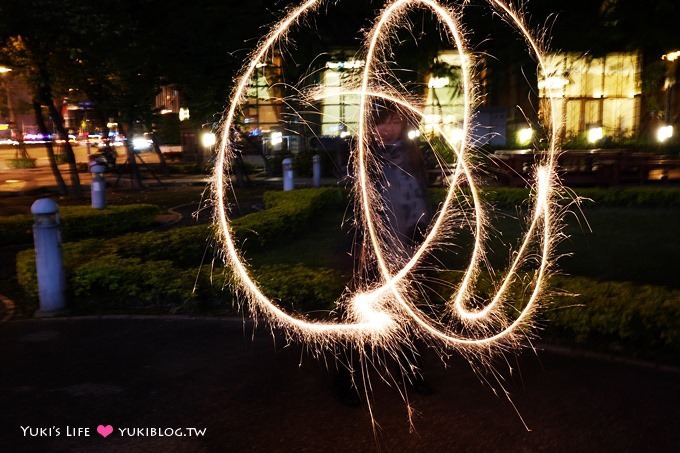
x=98, y=186
x=316, y=170
x=288, y=177
x=48, y=257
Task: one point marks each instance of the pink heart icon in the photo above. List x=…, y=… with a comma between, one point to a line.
x=105, y=431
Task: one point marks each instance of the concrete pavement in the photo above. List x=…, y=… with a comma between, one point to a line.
x=252, y=394
x=40, y=179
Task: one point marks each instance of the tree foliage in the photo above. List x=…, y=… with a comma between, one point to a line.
x=118, y=53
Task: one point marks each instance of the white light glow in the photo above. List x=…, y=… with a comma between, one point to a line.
x=525, y=135
x=141, y=143
x=438, y=82
x=276, y=138
x=595, y=134
x=431, y=120
x=456, y=135
x=553, y=83
x=671, y=56
x=663, y=133
x=349, y=64
x=208, y=139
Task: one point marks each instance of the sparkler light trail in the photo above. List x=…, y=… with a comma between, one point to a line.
x=384, y=313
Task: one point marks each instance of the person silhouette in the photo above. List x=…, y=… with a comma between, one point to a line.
x=404, y=211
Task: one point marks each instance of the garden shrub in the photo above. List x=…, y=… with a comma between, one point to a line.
x=83, y=221
x=635, y=316
x=286, y=214
x=212, y=290
x=649, y=197
x=301, y=289
x=128, y=283
x=110, y=282
x=79, y=222
x=74, y=254
x=16, y=229
x=90, y=264
x=185, y=246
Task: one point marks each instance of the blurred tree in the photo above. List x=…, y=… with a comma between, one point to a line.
x=33, y=45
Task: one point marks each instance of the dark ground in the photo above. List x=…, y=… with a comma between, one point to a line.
x=252, y=394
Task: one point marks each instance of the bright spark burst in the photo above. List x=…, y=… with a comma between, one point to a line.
x=384, y=314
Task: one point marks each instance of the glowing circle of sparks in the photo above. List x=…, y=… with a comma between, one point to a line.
x=383, y=314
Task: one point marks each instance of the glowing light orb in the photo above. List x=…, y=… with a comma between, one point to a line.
x=385, y=313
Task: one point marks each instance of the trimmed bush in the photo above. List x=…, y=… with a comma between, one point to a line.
x=300, y=288
x=74, y=254
x=286, y=214
x=83, y=221
x=631, y=316
x=650, y=197
x=128, y=283
x=16, y=229
x=79, y=222
x=185, y=247
x=98, y=269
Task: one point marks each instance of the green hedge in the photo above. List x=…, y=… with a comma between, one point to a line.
x=79, y=222
x=286, y=214
x=628, y=316
x=119, y=267
x=652, y=197
x=301, y=289
x=127, y=283
x=110, y=283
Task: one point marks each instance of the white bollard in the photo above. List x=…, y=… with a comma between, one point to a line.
x=98, y=186
x=288, y=177
x=48, y=257
x=316, y=170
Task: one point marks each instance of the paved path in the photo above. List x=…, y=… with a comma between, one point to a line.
x=254, y=395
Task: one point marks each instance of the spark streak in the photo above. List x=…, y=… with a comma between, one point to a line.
x=384, y=314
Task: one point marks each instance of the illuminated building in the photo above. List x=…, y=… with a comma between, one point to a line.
x=340, y=112
x=599, y=97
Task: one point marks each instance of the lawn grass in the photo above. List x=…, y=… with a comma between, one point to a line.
x=638, y=245
x=328, y=244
